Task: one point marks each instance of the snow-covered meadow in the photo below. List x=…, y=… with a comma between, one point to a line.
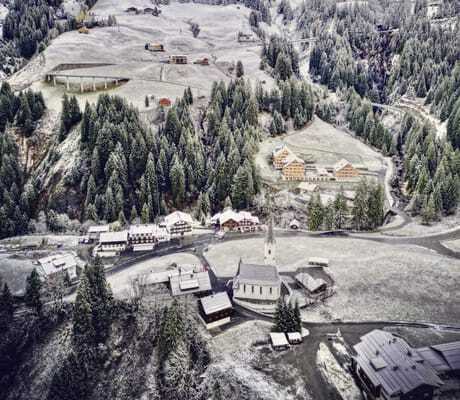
x=373, y=281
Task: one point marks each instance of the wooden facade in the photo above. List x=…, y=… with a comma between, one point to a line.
x=294, y=169
x=279, y=157
x=344, y=170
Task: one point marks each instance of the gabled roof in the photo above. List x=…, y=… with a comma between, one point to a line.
x=98, y=228
x=310, y=283
x=114, y=237
x=258, y=274
x=341, y=164
x=388, y=361
x=229, y=214
x=216, y=302
x=292, y=158
x=178, y=216
x=280, y=149
x=442, y=357
x=278, y=339
x=58, y=262
x=187, y=283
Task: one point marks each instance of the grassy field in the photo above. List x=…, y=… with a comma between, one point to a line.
x=373, y=281
x=123, y=46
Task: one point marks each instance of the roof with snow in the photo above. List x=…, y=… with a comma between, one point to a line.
x=258, y=274
x=98, y=228
x=215, y=303
x=310, y=283
x=341, y=164
x=177, y=217
x=307, y=186
x=230, y=214
x=191, y=282
x=280, y=149
x=58, y=262
x=278, y=339
x=150, y=229
x=114, y=237
x=291, y=158
x=389, y=362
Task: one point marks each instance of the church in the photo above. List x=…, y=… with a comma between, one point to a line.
x=258, y=286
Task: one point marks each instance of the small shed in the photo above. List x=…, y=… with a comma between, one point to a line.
x=215, y=310
x=279, y=341
x=312, y=286
x=294, y=337
x=318, y=261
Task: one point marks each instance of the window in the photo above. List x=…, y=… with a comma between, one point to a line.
x=271, y=290
x=244, y=288
x=261, y=290
x=252, y=288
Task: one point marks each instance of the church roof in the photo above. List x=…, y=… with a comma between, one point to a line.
x=258, y=274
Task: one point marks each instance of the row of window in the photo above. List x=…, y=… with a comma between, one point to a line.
x=253, y=290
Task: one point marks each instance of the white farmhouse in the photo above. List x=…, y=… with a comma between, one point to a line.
x=94, y=232
x=178, y=224
x=145, y=237
x=59, y=265
x=112, y=243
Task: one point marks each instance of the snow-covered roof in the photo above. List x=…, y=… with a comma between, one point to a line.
x=310, y=283
x=258, y=274
x=278, y=339
x=280, y=149
x=98, y=228
x=193, y=282
x=322, y=171
x=341, y=164
x=229, y=215
x=216, y=302
x=291, y=158
x=318, y=261
x=114, y=237
x=178, y=216
x=57, y=262
x=307, y=186
x=145, y=229
x=294, y=337
x=388, y=361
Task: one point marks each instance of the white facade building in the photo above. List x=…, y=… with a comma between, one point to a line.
x=58, y=265
x=146, y=237
x=179, y=224
x=257, y=282
x=113, y=242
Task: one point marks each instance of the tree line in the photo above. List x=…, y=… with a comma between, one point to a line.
x=432, y=170
x=366, y=213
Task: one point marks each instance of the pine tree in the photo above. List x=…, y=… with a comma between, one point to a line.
x=171, y=329
x=145, y=214
x=315, y=213
x=100, y=299
x=239, y=69
x=83, y=332
x=32, y=295
x=6, y=308
x=177, y=178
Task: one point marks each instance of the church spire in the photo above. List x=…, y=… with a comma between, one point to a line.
x=270, y=242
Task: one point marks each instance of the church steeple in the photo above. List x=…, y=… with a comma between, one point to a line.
x=270, y=244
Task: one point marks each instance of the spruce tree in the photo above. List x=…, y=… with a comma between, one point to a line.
x=32, y=295
x=6, y=308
